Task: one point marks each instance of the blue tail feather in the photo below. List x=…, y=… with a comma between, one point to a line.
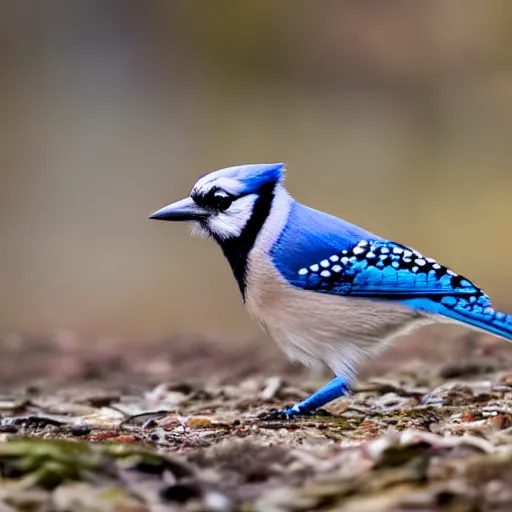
x=496, y=323
x=477, y=313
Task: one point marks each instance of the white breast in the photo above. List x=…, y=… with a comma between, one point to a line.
x=311, y=326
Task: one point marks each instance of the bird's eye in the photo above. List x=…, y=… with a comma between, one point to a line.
x=221, y=200
x=217, y=200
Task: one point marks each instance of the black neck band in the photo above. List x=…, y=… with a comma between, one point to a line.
x=237, y=249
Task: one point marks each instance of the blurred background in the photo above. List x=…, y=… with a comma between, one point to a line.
x=395, y=115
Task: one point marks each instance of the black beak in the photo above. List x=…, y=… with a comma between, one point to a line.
x=186, y=209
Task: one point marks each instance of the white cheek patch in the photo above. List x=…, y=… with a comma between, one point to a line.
x=231, y=223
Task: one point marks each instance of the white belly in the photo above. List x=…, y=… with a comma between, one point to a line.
x=311, y=326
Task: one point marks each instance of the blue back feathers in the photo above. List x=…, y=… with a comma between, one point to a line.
x=311, y=236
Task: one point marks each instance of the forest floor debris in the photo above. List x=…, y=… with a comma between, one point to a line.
x=435, y=437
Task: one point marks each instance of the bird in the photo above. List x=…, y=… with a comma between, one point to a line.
x=327, y=291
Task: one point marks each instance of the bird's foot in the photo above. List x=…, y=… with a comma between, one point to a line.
x=289, y=413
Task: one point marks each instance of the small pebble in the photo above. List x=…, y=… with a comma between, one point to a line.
x=81, y=429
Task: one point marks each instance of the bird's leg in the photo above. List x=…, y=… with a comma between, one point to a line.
x=337, y=387
x=333, y=389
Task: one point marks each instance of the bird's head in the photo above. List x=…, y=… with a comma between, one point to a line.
x=227, y=203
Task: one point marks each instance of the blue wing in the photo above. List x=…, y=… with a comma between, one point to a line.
x=383, y=269
x=370, y=267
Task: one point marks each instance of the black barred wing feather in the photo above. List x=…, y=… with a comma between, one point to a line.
x=384, y=269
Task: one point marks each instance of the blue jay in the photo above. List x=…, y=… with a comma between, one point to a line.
x=324, y=289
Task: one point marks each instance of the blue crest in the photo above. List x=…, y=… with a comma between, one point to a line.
x=245, y=179
x=253, y=177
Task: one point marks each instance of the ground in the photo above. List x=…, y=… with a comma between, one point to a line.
x=136, y=427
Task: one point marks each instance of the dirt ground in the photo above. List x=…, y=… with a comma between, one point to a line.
x=139, y=427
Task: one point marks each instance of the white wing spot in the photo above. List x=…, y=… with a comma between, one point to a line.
x=421, y=262
x=303, y=271
x=415, y=269
x=436, y=266
x=371, y=255
x=358, y=250
x=325, y=273
x=314, y=268
x=334, y=258
x=384, y=250
x=336, y=268
x=325, y=263
x=397, y=250
x=451, y=273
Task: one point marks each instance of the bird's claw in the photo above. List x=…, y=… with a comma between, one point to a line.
x=274, y=415
x=291, y=412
